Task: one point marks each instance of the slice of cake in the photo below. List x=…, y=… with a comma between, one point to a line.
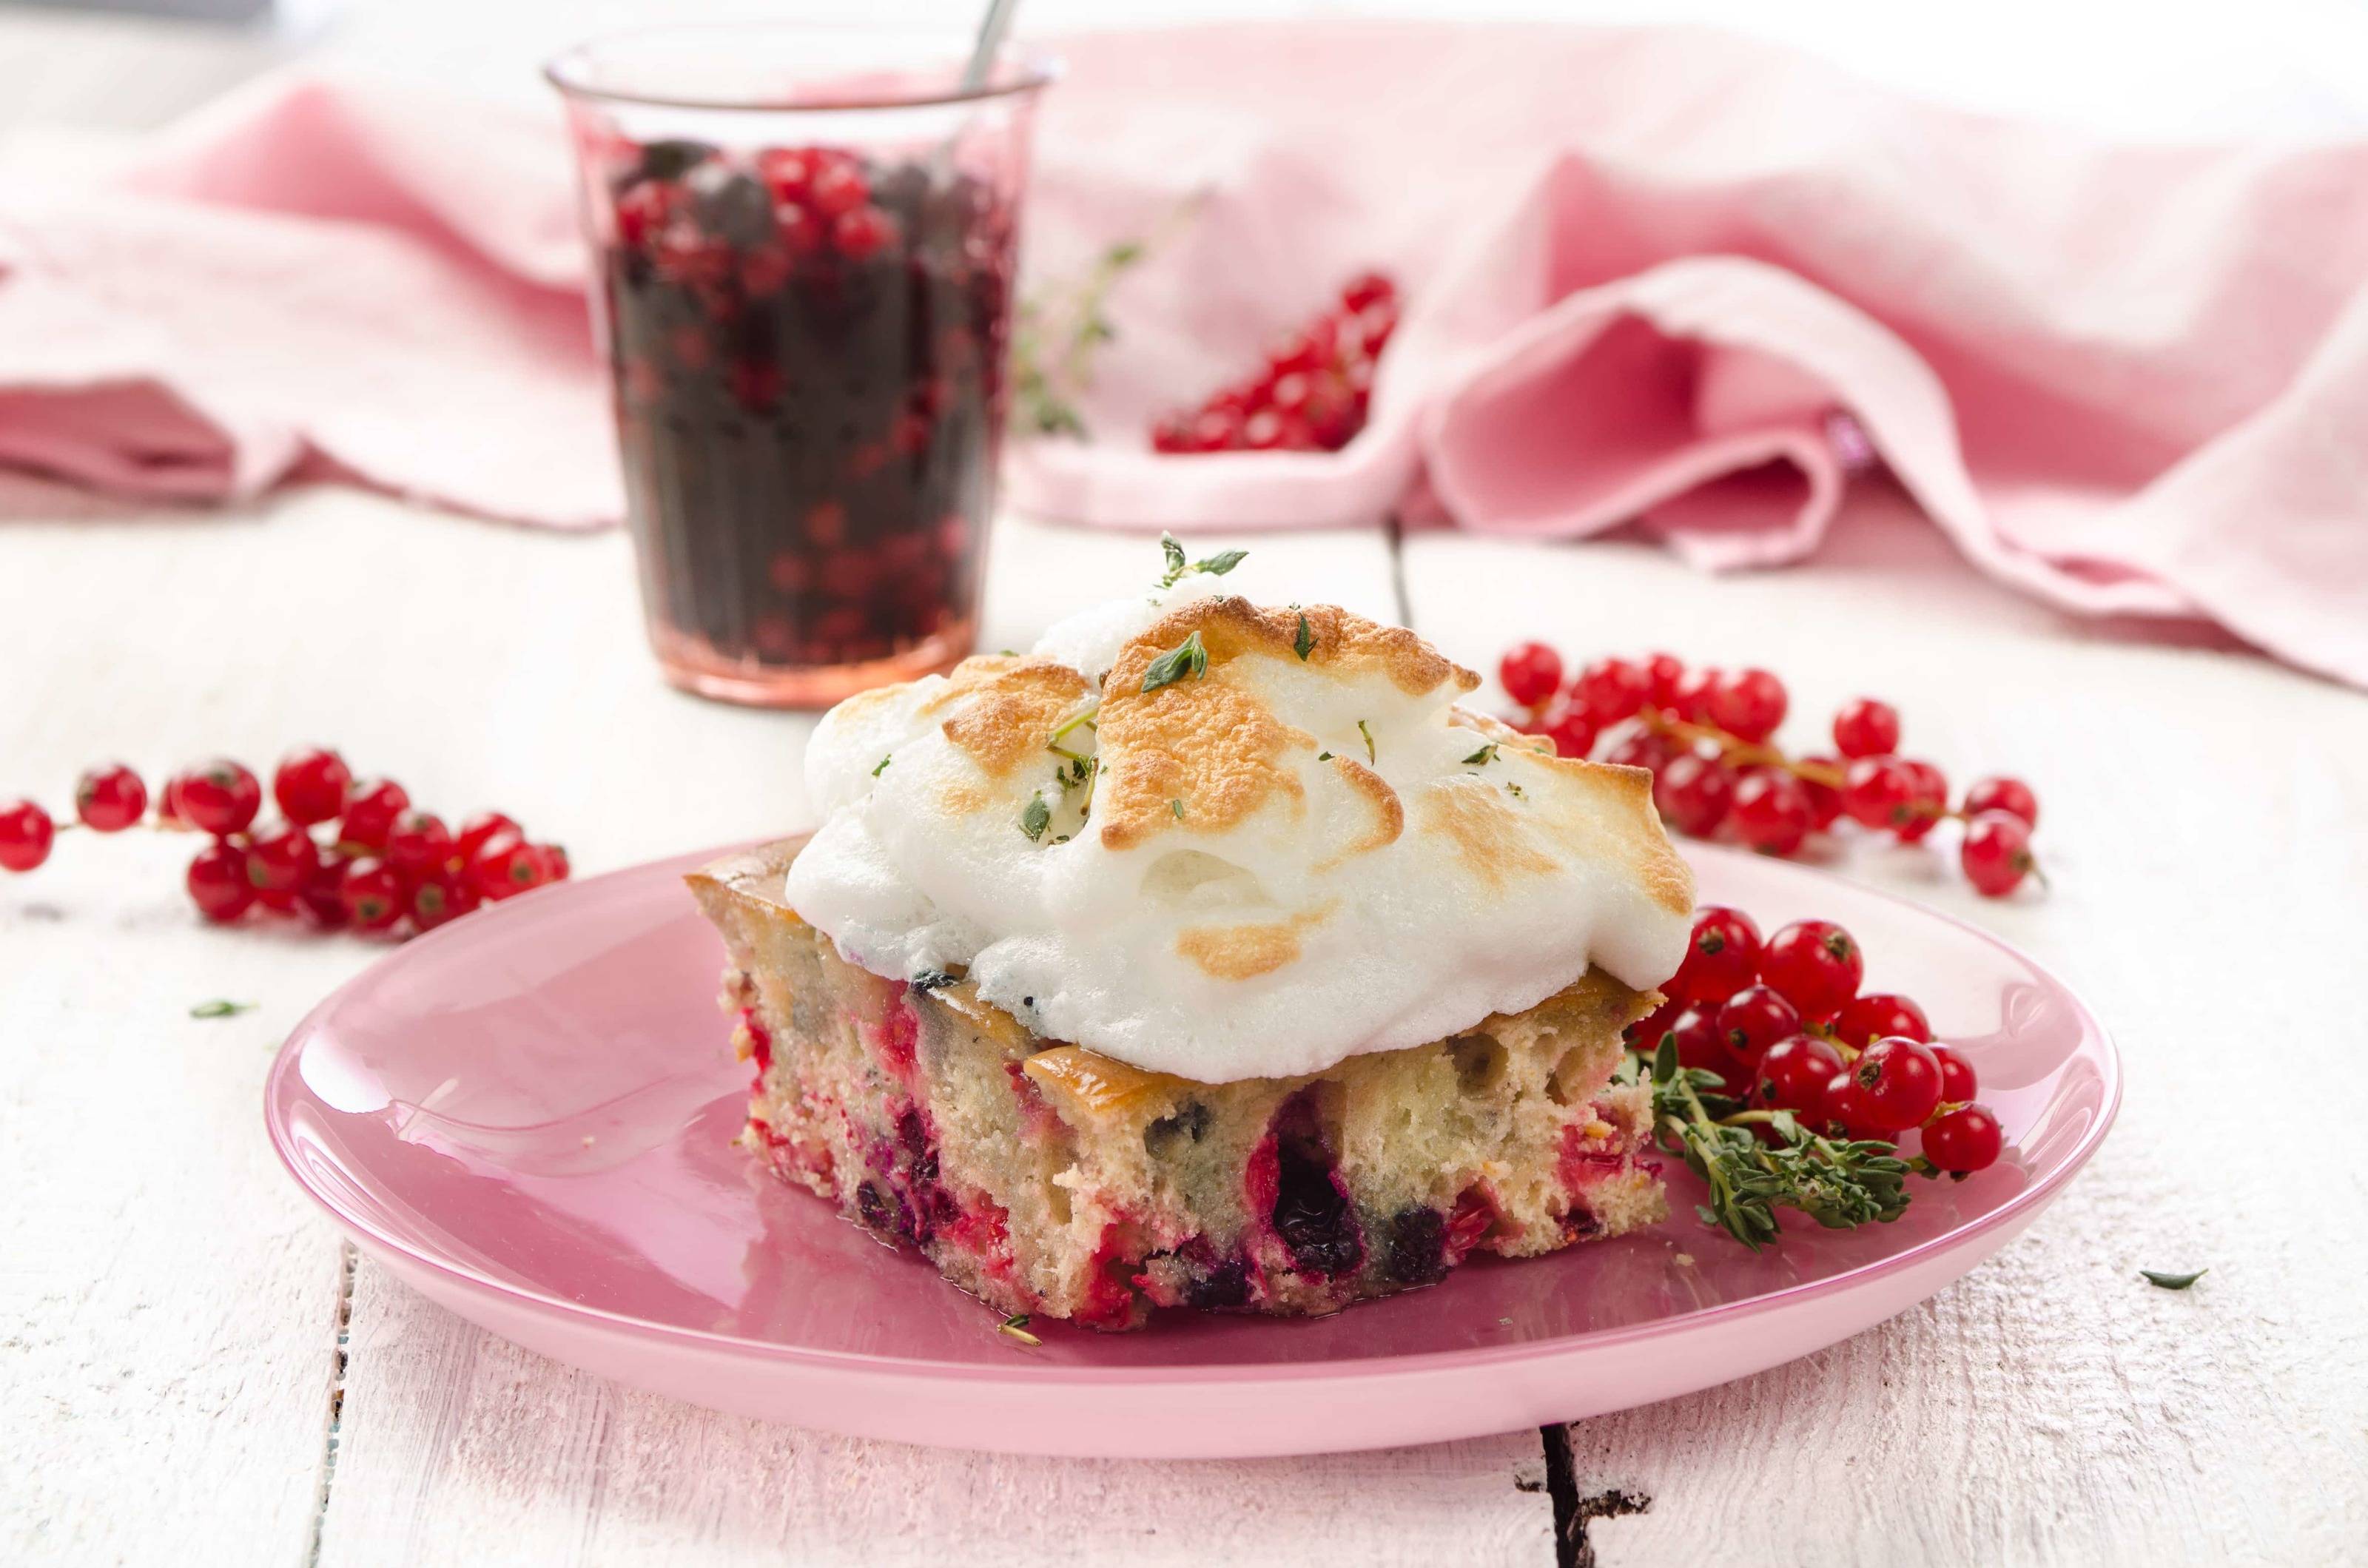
x=1209, y=956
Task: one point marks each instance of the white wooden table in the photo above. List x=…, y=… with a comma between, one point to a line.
x=194, y=1367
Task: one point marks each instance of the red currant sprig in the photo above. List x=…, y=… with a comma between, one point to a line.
x=347, y=852
x=1708, y=737
x=1784, y=1020
x=1313, y=392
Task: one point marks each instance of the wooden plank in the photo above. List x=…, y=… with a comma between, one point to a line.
x=2205, y=820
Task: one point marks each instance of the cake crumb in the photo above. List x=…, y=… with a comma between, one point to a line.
x=1685, y=1260
x=588, y=1140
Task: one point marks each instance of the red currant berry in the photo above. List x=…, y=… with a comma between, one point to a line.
x=220, y=797
x=1795, y=1073
x=1693, y=793
x=281, y=858
x=1640, y=748
x=1612, y=690
x=2010, y=795
x=1771, y=812
x=862, y=233
x=1996, y=853
x=218, y=882
x=26, y=832
x=1644, y=1034
x=1750, y=703
x=1928, y=800
x=1968, y=1139
x=1530, y=673
x=110, y=798
x=418, y=844
x=310, y=785
x=1844, y=1110
x=1571, y=731
x=1365, y=289
x=1754, y=1018
x=1877, y=790
x=323, y=897
x=555, y=863
x=1700, y=1044
x=1866, y=728
x=838, y=188
x=1815, y=964
x=371, y=806
x=1824, y=799
x=438, y=898
x=479, y=829
x=787, y=172
x=1662, y=674
x=1690, y=699
x=1901, y=1078
x=1880, y=1013
x=373, y=893
x=1722, y=957
x=1958, y=1082
x=504, y=867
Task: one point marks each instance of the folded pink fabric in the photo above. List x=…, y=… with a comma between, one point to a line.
x=1656, y=275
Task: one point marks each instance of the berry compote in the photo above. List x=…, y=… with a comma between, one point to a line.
x=805, y=311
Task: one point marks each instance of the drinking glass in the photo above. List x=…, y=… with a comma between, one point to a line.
x=803, y=243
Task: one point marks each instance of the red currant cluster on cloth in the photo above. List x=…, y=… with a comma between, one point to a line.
x=1707, y=736
x=1311, y=394
x=375, y=865
x=1784, y=1018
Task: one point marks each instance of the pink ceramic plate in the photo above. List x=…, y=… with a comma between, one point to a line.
x=528, y=1114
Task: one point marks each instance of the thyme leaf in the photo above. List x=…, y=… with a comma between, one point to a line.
x=222, y=1009
x=2172, y=1281
x=1177, y=807
x=1217, y=565
x=882, y=767
x=1482, y=758
x=1036, y=818
x=1016, y=1326
x=1186, y=658
x=1305, y=644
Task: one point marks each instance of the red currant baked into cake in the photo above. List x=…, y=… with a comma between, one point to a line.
x=1207, y=956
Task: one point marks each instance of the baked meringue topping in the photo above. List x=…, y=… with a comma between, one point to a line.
x=1228, y=842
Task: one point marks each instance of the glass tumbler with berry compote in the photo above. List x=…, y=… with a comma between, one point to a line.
x=803, y=242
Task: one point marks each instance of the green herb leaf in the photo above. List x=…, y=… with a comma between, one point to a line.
x=1188, y=658
x=1305, y=644
x=1482, y=758
x=1217, y=565
x=1016, y=1326
x=1174, y=555
x=882, y=768
x=1177, y=807
x=1036, y=818
x=1514, y=790
x=931, y=979
x=1366, y=730
x=1124, y=254
x=1322, y=756
x=218, y=1008
x=2172, y=1281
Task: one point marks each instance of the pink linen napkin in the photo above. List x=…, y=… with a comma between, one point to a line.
x=1658, y=275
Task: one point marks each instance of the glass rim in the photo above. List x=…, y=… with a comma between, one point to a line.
x=1035, y=70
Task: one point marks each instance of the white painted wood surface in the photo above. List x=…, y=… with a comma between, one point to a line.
x=170, y=1307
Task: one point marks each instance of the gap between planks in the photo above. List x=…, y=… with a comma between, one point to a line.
x=348, y=1260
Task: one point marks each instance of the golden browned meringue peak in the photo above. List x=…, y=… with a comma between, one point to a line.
x=1222, y=841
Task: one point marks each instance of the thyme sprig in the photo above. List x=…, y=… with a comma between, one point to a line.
x=1057, y=329
x=1841, y=1183
x=1215, y=565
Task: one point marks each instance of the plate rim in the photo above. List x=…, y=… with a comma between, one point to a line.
x=2022, y=1205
